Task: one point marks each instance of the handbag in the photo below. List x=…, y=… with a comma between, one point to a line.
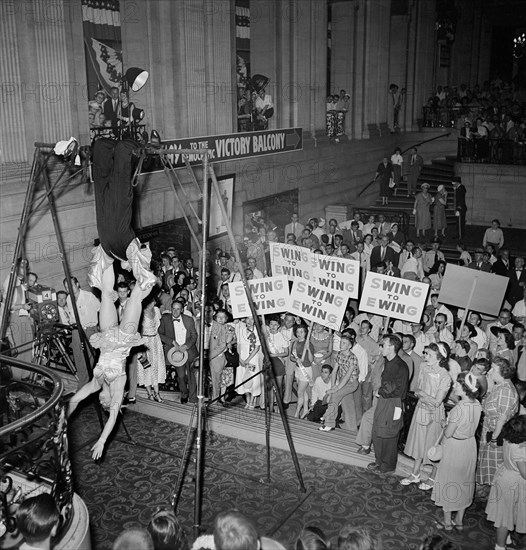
x=436, y=452
x=391, y=183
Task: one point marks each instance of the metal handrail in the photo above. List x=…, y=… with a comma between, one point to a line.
x=404, y=151
x=58, y=388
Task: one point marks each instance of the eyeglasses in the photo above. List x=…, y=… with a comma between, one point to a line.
x=439, y=322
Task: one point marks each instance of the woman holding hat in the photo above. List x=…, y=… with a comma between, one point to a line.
x=439, y=211
x=433, y=386
x=423, y=201
x=455, y=477
x=467, y=334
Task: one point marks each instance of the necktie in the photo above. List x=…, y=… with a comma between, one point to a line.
x=382, y=256
x=66, y=315
x=294, y=228
x=436, y=257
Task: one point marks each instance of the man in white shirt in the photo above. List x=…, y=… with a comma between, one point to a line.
x=322, y=385
x=65, y=315
x=412, y=268
x=294, y=227
x=364, y=259
x=317, y=231
x=519, y=310
x=480, y=339
x=256, y=273
x=503, y=322
x=422, y=340
x=441, y=308
x=123, y=293
x=88, y=309
x=264, y=108
x=431, y=257
x=373, y=352
x=287, y=331
x=440, y=332
x=376, y=321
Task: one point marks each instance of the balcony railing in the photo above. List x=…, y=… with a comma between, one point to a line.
x=132, y=131
x=492, y=151
x=33, y=442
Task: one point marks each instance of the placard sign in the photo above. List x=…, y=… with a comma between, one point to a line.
x=473, y=289
x=339, y=274
x=317, y=303
x=292, y=261
x=393, y=297
x=269, y=294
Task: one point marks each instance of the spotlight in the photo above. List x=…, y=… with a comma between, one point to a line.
x=137, y=114
x=136, y=78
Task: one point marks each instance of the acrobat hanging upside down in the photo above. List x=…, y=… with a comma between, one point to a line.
x=112, y=172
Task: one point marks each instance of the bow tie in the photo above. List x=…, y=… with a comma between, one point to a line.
x=178, y=319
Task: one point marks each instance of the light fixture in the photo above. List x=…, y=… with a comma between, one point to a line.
x=135, y=78
x=258, y=82
x=137, y=114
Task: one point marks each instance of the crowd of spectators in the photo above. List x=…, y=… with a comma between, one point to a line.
x=38, y=521
x=114, y=116
x=468, y=376
x=491, y=119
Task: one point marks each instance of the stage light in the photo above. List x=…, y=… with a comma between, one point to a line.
x=258, y=82
x=135, y=78
x=137, y=114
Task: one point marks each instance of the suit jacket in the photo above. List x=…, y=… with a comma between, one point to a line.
x=167, y=335
x=500, y=268
x=110, y=113
x=297, y=233
x=515, y=290
x=460, y=198
x=484, y=266
x=376, y=256
x=417, y=164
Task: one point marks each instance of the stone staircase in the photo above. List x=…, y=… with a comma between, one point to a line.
x=438, y=171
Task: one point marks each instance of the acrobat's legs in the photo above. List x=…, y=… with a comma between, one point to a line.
x=132, y=311
x=108, y=312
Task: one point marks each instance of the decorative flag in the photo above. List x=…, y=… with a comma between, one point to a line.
x=106, y=62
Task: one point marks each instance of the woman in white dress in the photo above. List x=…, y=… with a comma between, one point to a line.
x=250, y=362
x=152, y=372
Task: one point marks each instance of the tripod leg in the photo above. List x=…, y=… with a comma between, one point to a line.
x=177, y=489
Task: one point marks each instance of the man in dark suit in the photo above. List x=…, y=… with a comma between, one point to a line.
x=415, y=165
x=111, y=107
x=517, y=275
x=481, y=261
x=502, y=265
x=382, y=253
x=461, y=207
x=178, y=331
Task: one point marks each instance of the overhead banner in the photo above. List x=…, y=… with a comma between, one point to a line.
x=297, y=262
x=291, y=261
x=392, y=297
x=231, y=146
x=318, y=304
x=270, y=295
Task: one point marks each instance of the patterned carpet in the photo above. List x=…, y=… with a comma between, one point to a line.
x=135, y=479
